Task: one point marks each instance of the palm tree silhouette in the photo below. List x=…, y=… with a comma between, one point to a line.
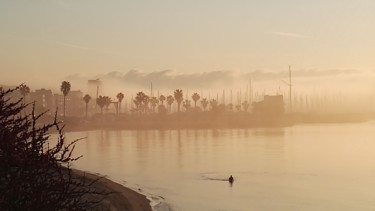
x=154, y=102
x=107, y=102
x=65, y=89
x=145, y=102
x=24, y=89
x=100, y=101
x=140, y=101
x=178, y=95
x=204, y=103
x=137, y=105
x=120, y=96
x=87, y=99
x=162, y=99
x=195, y=97
x=170, y=101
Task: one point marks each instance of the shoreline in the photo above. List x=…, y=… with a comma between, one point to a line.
x=204, y=121
x=122, y=198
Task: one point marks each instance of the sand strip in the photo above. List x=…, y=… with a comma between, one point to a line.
x=122, y=199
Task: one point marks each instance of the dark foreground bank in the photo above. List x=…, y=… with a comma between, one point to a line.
x=121, y=198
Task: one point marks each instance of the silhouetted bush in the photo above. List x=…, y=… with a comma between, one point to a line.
x=35, y=174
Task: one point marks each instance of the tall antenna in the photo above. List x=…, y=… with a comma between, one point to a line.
x=290, y=89
x=151, y=90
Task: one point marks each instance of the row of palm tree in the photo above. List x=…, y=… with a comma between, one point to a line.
x=104, y=101
x=143, y=102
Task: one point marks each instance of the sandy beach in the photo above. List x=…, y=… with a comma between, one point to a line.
x=121, y=198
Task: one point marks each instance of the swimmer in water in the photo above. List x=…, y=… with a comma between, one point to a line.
x=231, y=179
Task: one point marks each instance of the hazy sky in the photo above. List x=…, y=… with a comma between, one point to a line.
x=53, y=39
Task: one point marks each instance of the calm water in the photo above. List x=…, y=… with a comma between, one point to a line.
x=305, y=167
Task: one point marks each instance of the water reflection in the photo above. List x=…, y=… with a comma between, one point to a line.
x=274, y=169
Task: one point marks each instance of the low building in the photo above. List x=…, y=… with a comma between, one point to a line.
x=74, y=104
x=43, y=99
x=271, y=105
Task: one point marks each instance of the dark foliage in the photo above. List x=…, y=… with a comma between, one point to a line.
x=36, y=174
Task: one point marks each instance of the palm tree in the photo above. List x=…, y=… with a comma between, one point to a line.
x=162, y=99
x=195, y=97
x=170, y=101
x=107, y=102
x=87, y=99
x=65, y=89
x=145, y=102
x=120, y=96
x=140, y=100
x=137, y=104
x=24, y=89
x=154, y=102
x=204, y=103
x=100, y=101
x=178, y=95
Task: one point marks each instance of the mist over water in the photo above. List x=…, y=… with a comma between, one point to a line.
x=305, y=167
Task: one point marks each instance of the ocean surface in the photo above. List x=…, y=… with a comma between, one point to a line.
x=303, y=167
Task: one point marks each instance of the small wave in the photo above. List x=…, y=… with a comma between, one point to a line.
x=157, y=202
x=161, y=206
x=214, y=178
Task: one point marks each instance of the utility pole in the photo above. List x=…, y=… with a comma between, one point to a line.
x=290, y=89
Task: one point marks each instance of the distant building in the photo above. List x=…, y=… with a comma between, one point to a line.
x=74, y=104
x=43, y=99
x=95, y=87
x=271, y=105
